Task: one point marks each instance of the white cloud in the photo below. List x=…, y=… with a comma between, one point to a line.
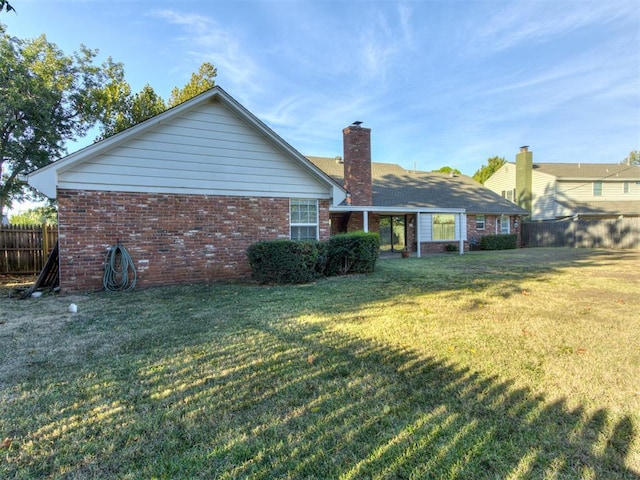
x=205, y=40
x=525, y=23
x=385, y=41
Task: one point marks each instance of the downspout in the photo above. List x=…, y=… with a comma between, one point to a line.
x=418, y=233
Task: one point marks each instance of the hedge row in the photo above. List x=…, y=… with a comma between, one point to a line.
x=499, y=242
x=288, y=261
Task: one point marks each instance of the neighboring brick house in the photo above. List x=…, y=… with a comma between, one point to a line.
x=187, y=191
x=555, y=191
x=411, y=208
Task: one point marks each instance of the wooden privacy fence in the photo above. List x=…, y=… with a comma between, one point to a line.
x=601, y=233
x=24, y=248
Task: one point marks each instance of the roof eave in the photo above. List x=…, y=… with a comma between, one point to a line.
x=380, y=209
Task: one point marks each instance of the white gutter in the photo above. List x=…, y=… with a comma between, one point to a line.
x=390, y=210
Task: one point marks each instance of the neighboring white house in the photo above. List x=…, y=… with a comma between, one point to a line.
x=552, y=191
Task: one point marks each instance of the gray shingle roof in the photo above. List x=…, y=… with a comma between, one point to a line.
x=394, y=186
x=589, y=171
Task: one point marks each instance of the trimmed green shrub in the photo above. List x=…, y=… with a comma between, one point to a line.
x=451, y=247
x=287, y=261
x=323, y=258
x=355, y=252
x=499, y=242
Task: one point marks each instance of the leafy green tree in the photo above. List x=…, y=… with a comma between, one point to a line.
x=46, y=99
x=633, y=158
x=36, y=216
x=448, y=170
x=128, y=110
x=201, y=81
x=492, y=166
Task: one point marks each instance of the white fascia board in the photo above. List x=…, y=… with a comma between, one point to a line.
x=399, y=210
x=339, y=195
x=44, y=181
x=594, y=179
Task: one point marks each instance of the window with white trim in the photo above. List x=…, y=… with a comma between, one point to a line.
x=505, y=224
x=480, y=222
x=303, y=219
x=597, y=189
x=625, y=187
x=443, y=227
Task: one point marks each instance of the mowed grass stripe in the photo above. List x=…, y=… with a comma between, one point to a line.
x=517, y=364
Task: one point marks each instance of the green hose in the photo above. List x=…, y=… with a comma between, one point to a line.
x=119, y=270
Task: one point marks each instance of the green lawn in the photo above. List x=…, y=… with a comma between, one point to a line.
x=516, y=364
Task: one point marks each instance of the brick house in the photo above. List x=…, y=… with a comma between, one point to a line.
x=187, y=191
x=423, y=211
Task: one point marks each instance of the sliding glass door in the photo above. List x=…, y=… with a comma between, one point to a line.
x=393, y=233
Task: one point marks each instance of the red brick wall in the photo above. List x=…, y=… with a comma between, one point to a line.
x=171, y=238
x=438, y=247
x=357, y=164
x=356, y=222
x=490, y=222
x=491, y=227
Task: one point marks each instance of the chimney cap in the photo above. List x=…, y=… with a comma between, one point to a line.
x=357, y=123
x=524, y=148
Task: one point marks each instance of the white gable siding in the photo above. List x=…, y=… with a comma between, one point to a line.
x=577, y=190
x=425, y=226
x=582, y=190
x=503, y=180
x=209, y=150
x=543, y=191
x=543, y=187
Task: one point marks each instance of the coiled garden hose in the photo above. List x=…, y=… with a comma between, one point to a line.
x=119, y=270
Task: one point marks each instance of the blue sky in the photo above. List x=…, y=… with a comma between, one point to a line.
x=438, y=82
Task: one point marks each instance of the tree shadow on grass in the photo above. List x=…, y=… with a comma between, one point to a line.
x=256, y=393
x=286, y=400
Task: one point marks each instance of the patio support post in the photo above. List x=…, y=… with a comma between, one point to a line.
x=365, y=221
x=461, y=238
x=418, y=232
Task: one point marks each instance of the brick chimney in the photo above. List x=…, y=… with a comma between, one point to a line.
x=357, y=164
